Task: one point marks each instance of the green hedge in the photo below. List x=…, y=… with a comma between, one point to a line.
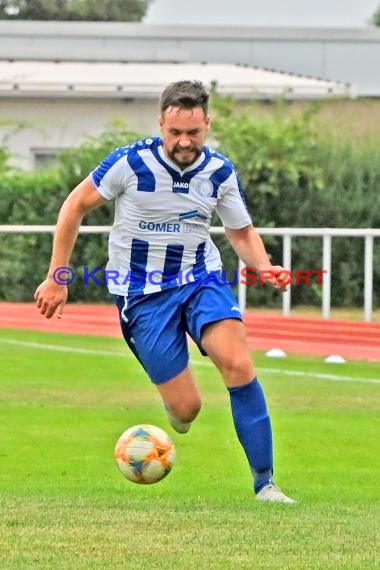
x=295, y=176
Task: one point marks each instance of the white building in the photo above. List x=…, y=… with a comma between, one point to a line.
x=61, y=80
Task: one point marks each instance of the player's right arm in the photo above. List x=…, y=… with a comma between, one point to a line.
x=51, y=296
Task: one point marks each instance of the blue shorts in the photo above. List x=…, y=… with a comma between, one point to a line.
x=155, y=325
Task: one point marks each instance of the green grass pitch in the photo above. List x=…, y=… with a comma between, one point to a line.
x=64, y=401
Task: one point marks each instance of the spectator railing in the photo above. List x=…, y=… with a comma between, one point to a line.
x=326, y=234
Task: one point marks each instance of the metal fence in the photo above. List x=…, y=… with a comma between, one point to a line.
x=325, y=234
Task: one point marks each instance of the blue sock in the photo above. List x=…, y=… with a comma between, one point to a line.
x=253, y=428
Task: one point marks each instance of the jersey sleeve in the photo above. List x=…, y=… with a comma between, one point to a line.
x=110, y=177
x=232, y=206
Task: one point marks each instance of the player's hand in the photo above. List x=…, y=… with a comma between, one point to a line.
x=276, y=276
x=51, y=298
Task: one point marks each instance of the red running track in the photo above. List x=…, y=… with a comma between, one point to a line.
x=352, y=340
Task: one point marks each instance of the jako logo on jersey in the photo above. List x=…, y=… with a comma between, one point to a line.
x=180, y=186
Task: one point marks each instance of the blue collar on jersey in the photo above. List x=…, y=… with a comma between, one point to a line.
x=177, y=177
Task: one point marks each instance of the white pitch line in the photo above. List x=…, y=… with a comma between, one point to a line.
x=203, y=363
x=63, y=348
x=320, y=376
x=310, y=375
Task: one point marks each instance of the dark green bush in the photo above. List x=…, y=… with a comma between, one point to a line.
x=294, y=175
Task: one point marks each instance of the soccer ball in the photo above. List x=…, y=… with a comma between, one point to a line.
x=145, y=454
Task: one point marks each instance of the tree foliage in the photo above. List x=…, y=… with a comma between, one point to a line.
x=376, y=17
x=295, y=176
x=76, y=10
x=275, y=157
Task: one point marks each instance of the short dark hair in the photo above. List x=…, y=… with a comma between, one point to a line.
x=185, y=95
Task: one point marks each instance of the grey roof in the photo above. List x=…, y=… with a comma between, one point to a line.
x=147, y=80
x=124, y=30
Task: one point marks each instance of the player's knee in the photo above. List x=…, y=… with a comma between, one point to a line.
x=236, y=368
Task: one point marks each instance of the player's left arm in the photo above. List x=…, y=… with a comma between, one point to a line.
x=243, y=236
x=249, y=246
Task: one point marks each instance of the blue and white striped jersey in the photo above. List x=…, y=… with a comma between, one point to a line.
x=160, y=237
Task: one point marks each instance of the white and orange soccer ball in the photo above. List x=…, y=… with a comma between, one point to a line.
x=145, y=454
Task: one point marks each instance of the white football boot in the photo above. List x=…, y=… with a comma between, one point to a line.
x=177, y=425
x=273, y=494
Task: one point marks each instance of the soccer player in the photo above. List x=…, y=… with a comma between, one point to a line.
x=164, y=271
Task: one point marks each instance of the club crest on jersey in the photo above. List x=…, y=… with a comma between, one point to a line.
x=205, y=188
